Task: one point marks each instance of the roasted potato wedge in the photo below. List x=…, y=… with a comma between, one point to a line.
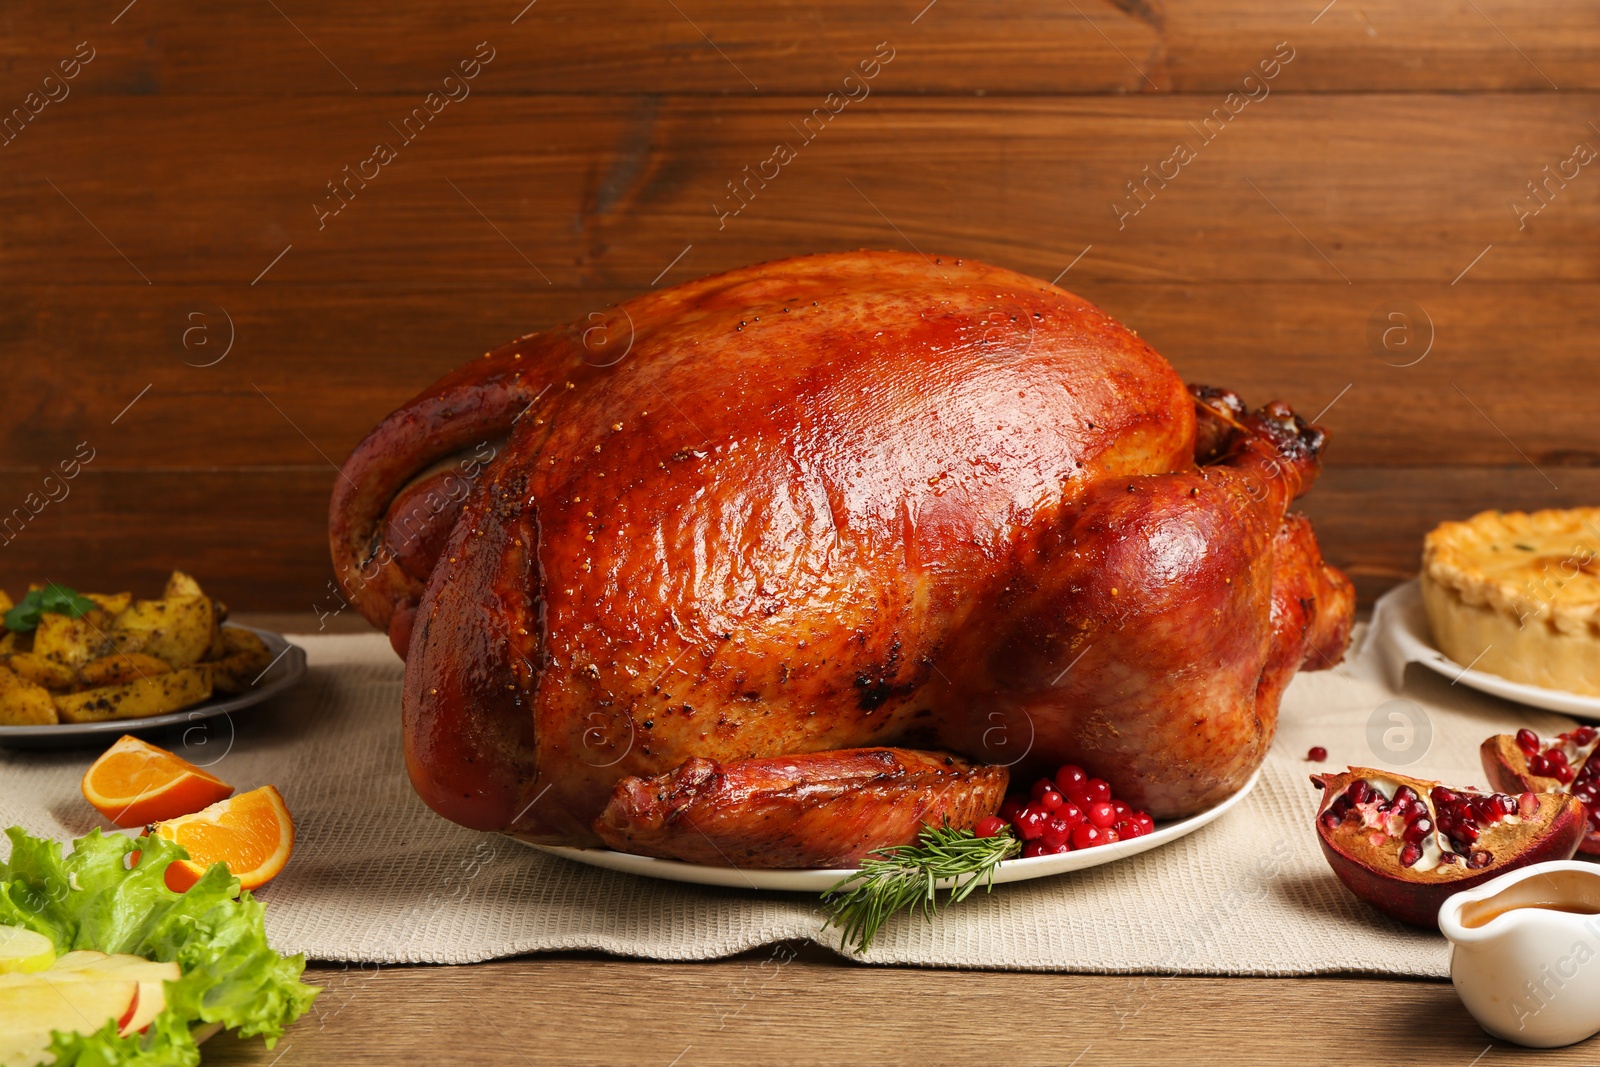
x=245, y=657
x=5, y=606
x=22, y=703
x=121, y=667
x=155, y=695
x=176, y=629
x=8, y=644
x=112, y=604
x=70, y=641
x=40, y=670
x=181, y=584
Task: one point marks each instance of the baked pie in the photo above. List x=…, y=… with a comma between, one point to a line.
x=1518, y=594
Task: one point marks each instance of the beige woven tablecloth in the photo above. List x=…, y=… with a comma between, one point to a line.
x=378, y=877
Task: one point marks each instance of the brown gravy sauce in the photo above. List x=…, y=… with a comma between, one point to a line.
x=1485, y=916
x=1572, y=892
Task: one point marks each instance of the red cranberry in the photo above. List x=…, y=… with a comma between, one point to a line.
x=1318, y=754
x=1041, y=787
x=1032, y=849
x=1528, y=741
x=1122, y=809
x=1069, y=776
x=1111, y=835
x=1146, y=823
x=1030, y=824
x=989, y=826
x=1010, y=809
x=1097, y=789
x=1129, y=828
x=1051, y=800
x=1056, y=831
x=1087, y=835
x=1070, y=813
x=1102, y=814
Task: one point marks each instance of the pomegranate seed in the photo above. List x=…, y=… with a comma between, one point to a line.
x=1069, y=776
x=1446, y=858
x=1528, y=805
x=1102, y=814
x=1340, y=806
x=1030, y=824
x=1539, y=765
x=1032, y=849
x=1041, y=787
x=1528, y=741
x=1056, y=831
x=1583, y=735
x=1417, y=830
x=1466, y=833
x=1440, y=795
x=1410, y=853
x=989, y=826
x=1594, y=818
x=1097, y=789
x=1318, y=754
x=1506, y=804
x=1328, y=819
x=1480, y=859
x=1564, y=774
x=1051, y=800
x=1360, y=791
x=1121, y=808
x=1087, y=835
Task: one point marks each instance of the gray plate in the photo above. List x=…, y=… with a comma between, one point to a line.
x=287, y=668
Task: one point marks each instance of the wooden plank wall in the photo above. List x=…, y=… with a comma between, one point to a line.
x=170, y=197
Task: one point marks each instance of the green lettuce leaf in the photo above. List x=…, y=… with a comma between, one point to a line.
x=93, y=899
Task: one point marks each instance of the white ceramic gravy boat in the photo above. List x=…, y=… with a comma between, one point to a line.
x=1528, y=972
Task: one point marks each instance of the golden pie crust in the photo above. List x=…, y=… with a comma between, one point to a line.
x=1518, y=594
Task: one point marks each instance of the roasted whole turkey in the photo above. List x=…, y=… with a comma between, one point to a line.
x=773, y=567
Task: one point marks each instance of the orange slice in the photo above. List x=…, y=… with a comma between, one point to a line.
x=134, y=783
x=252, y=834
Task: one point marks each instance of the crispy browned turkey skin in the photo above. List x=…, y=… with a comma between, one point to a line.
x=728, y=572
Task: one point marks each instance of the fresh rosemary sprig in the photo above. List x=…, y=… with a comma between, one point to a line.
x=906, y=876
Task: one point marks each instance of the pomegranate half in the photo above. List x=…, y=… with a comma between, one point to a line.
x=1524, y=761
x=1405, y=844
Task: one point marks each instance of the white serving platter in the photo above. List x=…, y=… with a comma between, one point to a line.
x=819, y=881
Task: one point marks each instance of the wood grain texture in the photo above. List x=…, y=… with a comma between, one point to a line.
x=767, y=1008
x=722, y=47
x=331, y=362
x=609, y=192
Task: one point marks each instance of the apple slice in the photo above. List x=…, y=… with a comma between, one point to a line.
x=30, y=1011
x=77, y=976
x=24, y=950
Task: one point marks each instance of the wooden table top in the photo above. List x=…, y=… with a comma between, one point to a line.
x=810, y=1007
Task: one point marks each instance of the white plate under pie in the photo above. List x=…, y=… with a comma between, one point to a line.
x=818, y=881
x=1401, y=635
